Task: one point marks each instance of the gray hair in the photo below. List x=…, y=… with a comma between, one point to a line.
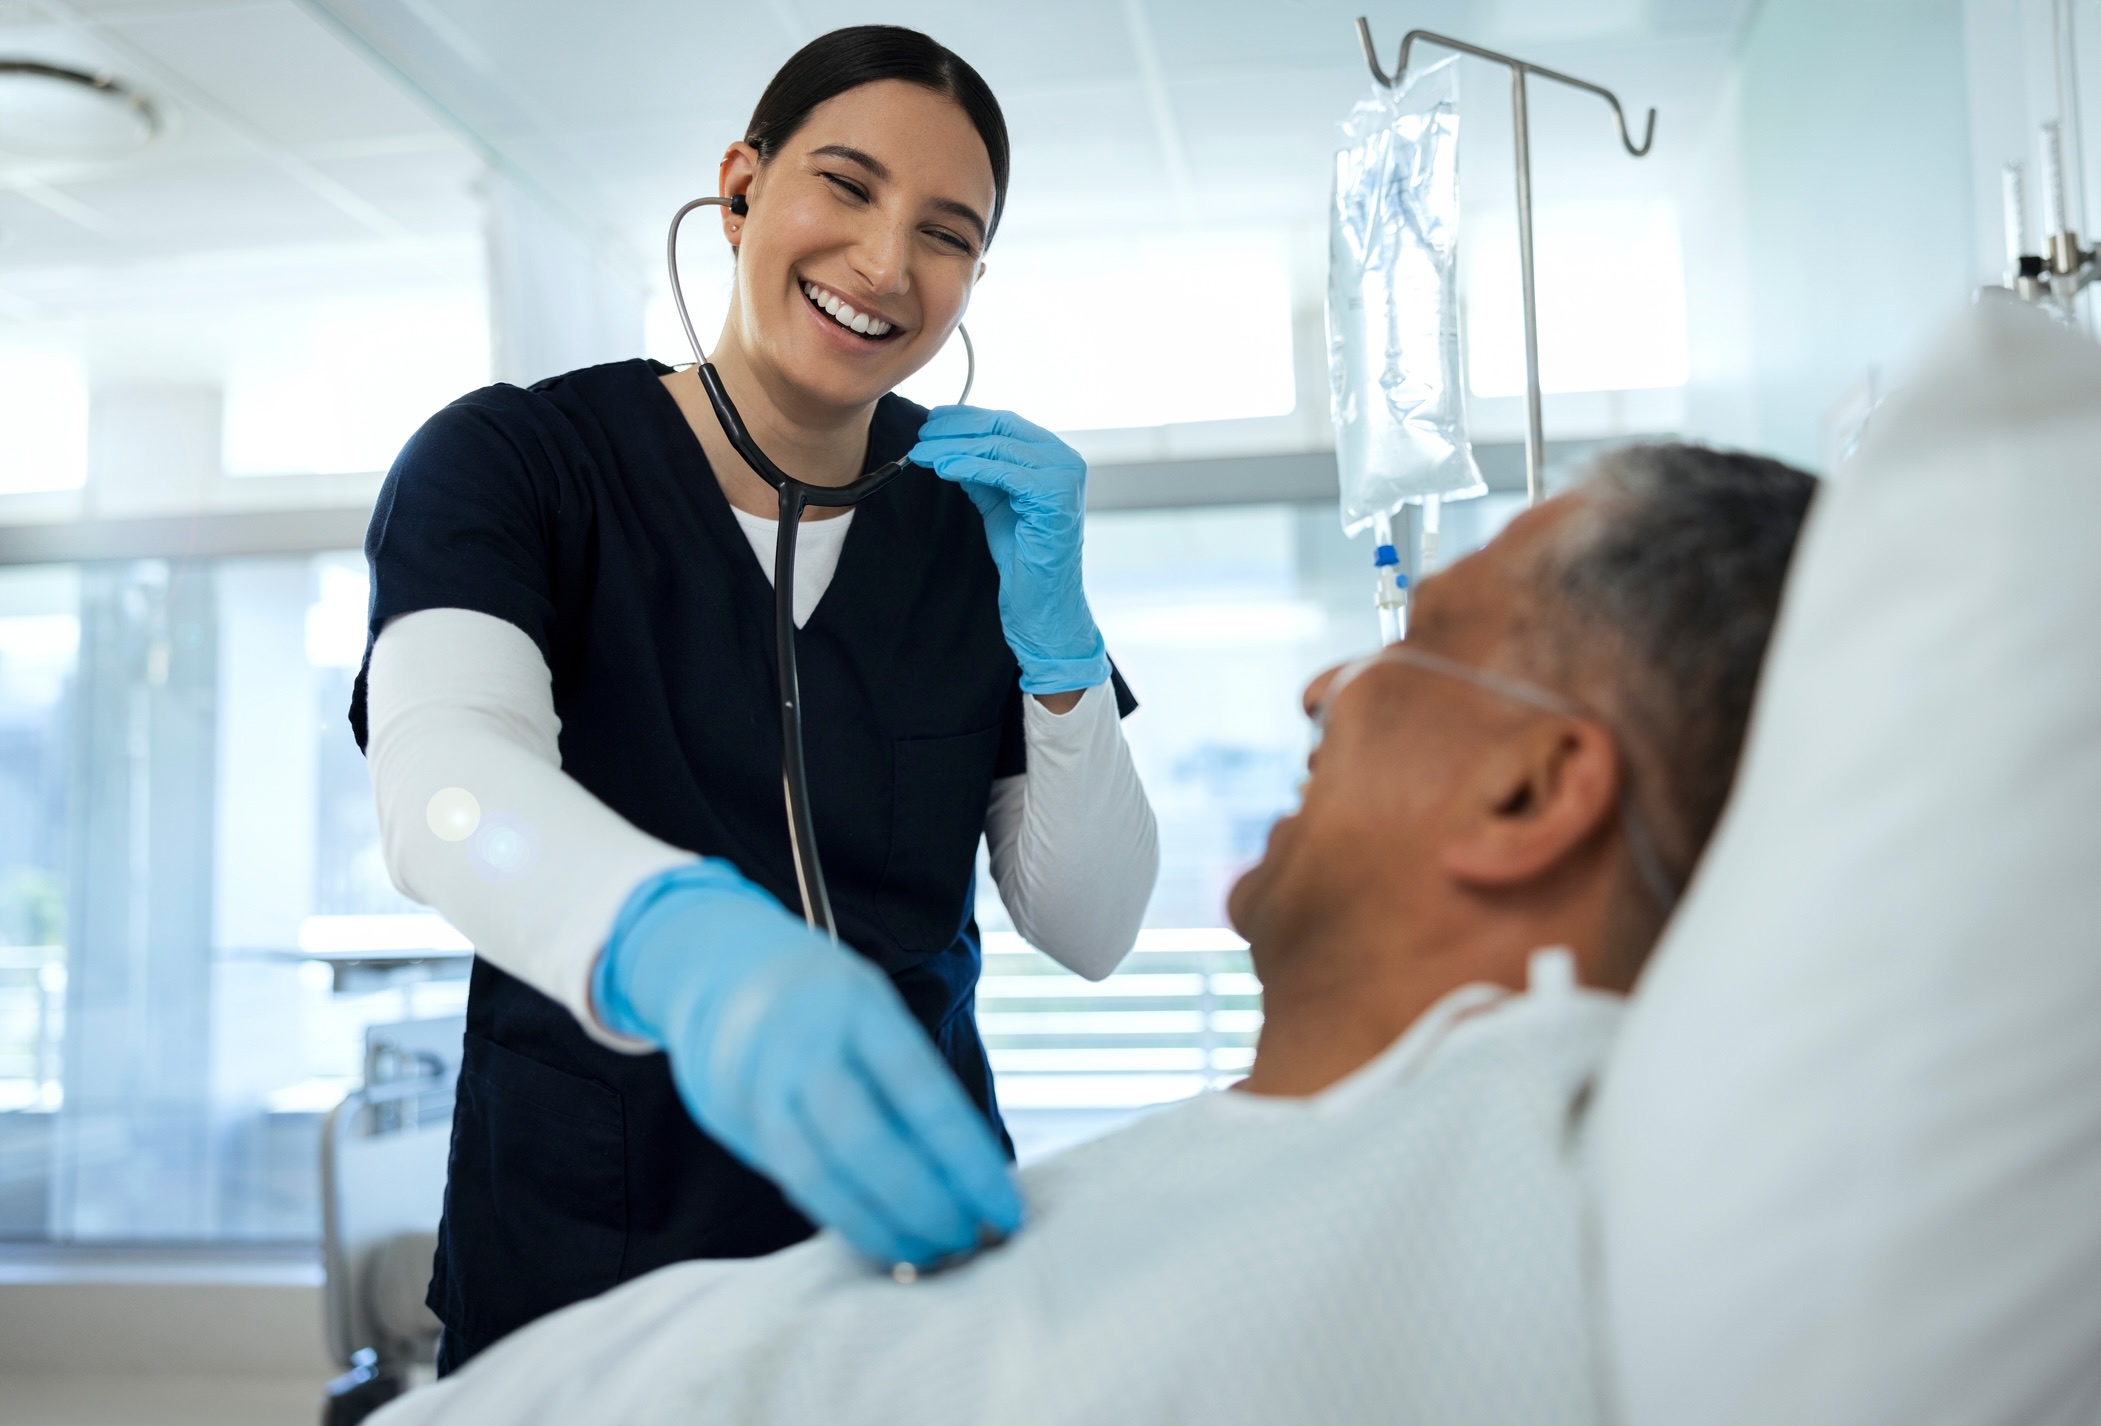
x=1672, y=569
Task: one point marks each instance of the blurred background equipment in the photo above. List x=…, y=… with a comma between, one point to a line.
x=383, y=1156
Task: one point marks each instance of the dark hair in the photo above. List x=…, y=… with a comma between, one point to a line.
x=1676, y=565
x=846, y=59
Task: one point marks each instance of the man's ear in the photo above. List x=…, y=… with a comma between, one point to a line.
x=1535, y=802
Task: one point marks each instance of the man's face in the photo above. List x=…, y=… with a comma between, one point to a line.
x=1396, y=743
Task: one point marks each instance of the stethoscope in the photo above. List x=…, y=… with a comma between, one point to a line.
x=795, y=496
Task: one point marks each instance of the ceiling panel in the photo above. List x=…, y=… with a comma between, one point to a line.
x=600, y=64
x=202, y=208
x=110, y=9
x=288, y=153
x=1285, y=34
x=33, y=233
x=332, y=122
x=428, y=193
x=28, y=30
x=191, y=134
x=271, y=66
x=1013, y=45
x=681, y=152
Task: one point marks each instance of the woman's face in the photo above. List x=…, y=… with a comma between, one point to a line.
x=874, y=211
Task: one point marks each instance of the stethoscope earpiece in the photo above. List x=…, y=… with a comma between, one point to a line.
x=739, y=206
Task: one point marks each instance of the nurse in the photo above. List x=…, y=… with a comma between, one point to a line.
x=570, y=713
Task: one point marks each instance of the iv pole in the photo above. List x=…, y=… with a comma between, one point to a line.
x=1535, y=433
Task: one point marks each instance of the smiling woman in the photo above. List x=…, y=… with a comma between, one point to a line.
x=571, y=622
x=842, y=205
x=865, y=217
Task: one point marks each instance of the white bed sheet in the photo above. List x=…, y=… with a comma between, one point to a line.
x=1406, y=1247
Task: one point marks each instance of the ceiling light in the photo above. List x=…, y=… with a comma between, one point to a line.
x=50, y=111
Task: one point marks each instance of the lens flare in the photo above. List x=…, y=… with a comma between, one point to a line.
x=503, y=849
x=453, y=814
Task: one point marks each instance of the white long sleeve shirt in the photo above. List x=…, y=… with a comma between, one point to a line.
x=460, y=701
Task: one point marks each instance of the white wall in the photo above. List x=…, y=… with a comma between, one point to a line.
x=1833, y=230
x=558, y=299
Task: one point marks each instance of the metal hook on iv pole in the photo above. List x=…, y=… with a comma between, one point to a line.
x=1535, y=431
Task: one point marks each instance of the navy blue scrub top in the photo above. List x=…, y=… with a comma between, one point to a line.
x=584, y=512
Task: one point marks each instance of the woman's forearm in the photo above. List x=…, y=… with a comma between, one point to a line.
x=536, y=869
x=1074, y=846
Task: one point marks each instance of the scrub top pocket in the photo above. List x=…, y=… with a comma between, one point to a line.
x=941, y=790
x=536, y=1198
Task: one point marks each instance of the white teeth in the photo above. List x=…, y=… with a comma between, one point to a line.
x=844, y=314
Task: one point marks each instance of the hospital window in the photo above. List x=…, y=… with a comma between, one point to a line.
x=1610, y=276
x=43, y=422
x=196, y=927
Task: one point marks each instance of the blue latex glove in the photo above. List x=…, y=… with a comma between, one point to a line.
x=1031, y=488
x=801, y=1059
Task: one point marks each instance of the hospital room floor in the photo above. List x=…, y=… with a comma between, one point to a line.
x=52, y=1399
x=152, y=1343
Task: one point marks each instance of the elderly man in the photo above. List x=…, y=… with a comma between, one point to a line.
x=1386, y=1225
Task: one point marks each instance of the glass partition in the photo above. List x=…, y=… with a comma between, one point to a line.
x=196, y=925
x=186, y=832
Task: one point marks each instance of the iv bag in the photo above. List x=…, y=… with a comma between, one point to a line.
x=1393, y=301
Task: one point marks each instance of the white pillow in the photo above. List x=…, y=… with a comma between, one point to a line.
x=1849, y=1143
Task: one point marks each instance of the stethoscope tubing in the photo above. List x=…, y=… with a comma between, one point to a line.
x=795, y=497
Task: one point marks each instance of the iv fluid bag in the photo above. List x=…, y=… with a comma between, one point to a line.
x=1393, y=301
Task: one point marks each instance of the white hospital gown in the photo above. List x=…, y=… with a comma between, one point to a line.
x=1406, y=1247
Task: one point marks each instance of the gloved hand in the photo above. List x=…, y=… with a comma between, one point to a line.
x=1031, y=488
x=801, y=1059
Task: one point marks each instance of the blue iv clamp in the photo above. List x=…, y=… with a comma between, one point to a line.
x=1390, y=593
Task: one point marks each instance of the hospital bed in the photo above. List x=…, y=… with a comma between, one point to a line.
x=383, y=1157
x=1845, y=1153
